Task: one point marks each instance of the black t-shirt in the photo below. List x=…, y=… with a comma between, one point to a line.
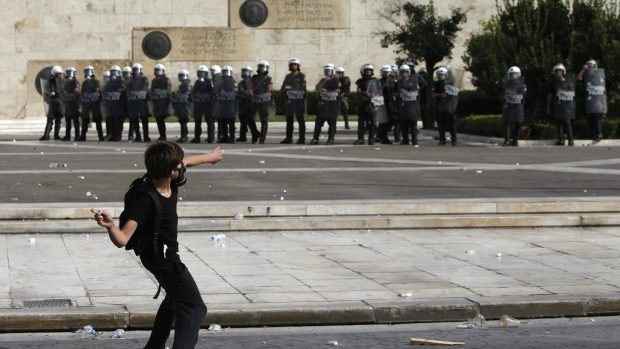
x=142, y=211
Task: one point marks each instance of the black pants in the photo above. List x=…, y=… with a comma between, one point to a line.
x=161, y=125
x=92, y=112
x=512, y=133
x=54, y=117
x=409, y=127
x=295, y=110
x=366, y=122
x=203, y=110
x=263, y=113
x=75, y=121
x=117, y=127
x=564, y=125
x=138, y=112
x=594, y=125
x=183, y=305
x=246, y=121
x=226, y=127
x=446, y=123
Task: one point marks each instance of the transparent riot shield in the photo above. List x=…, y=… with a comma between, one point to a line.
x=52, y=93
x=565, y=97
x=112, y=104
x=452, y=90
x=409, y=104
x=159, y=102
x=514, y=98
x=225, y=98
x=596, y=94
x=377, y=102
x=180, y=103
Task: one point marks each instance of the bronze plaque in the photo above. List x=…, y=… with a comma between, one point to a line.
x=156, y=45
x=253, y=13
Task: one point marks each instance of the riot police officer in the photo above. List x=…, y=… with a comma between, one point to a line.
x=246, y=114
x=407, y=90
x=514, y=102
x=52, y=94
x=112, y=101
x=202, y=98
x=294, y=87
x=595, y=97
x=345, y=90
x=262, y=86
x=561, y=103
x=180, y=100
x=225, y=96
x=216, y=77
x=91, y=103
x=329, y=105
x=71, y=100
x=137, y=108
x=159, y=99
x=371, y=98
x=446, y=95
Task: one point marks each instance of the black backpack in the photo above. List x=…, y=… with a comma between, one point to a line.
x=138, y=240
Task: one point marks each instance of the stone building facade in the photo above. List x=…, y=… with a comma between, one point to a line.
x=35, y=34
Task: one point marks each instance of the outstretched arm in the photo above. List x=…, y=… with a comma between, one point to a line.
x=210, y=158
x=119, y=236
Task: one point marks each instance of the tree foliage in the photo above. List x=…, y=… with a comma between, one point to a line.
x=537, y=34
x=421, y=35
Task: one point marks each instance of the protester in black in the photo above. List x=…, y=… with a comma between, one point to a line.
x=183, y=305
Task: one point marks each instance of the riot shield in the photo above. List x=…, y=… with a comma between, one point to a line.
x=596, y=95
x=329, y=105
x=180, y=100
x=565, y=97
x=159, y=102
x=409, y=104
x=377, y=102
x=225, y=96
x=52, y=97
x=514, y=95
x=112, y=104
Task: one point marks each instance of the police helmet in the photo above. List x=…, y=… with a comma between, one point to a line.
x=56, y=70
x=514, y=70
x=136, y=68
x=329, y=69
x=591, y=63
x=202, y=71
x=394, y=69
x=294, y=61
x=126, y=71
x=385, y=70
x=115, y=70
x=227, y=70
x=159, y=69
x=246, y=71
x=340, y=70
x=366, y=67
x=559, y=66
x=263, y=64
x=442, y=71
x=405, y=68
x=216, y=69
x=89, y=71
x=70, y=72
x=183, y=75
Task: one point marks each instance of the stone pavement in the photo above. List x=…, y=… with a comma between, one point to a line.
x=319, y=277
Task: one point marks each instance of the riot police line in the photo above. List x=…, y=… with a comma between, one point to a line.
x=394, y=102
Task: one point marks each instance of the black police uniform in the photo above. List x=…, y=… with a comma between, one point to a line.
x=137, y=107
x=159, y=97
x=345, y=90
x=202, y=97
x=262, y=101
x=329, y=108
x=246, y=112
x=71, y=99
x=445, y=112
x=91, y=107
x=294, y=87
x=52, y=96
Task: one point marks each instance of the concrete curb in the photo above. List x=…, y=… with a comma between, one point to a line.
x=338, y=215
x=301, y=314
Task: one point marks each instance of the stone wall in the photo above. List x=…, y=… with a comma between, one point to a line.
x=40, y=33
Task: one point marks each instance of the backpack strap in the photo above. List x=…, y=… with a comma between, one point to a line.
x=156, y=226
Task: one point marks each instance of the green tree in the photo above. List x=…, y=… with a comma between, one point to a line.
x=537, y=34
x=421, y=35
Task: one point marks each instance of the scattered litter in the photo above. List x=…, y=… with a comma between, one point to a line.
x=423, y=341
x=249, y=150
x=507, y=321
x=135, y=165
x=180, y=198
x=238, y=215
x=264, y=172
x=214, y=328
x=585, y=190
x=209, y=186
x=42, y=153
x=262, y=162
x=19, y=282
x=88, y=329
x=117, y=149
x=592, y=320
x=53, y=164
x=32, y=240
x=118, y=333
x=284, y=190
x=470, y=252
x=14, y=199
x=377, y=148
x=14, y=140
x=81, y=177
x=40, y=184
x=89, y=194
x=475, y=323
x=405, y=295
x=281, y=198
x=217, y=237
x=517, y=164
x=75, y=143
x=335, y=343
x=498, y=255
x=123, y=152
x=439, y=162
x=478, y=171
x=213, y=221
x=342, y=151
x=70, y=187
x=416, y=146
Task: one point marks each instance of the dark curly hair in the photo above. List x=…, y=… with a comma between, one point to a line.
x=161, y=158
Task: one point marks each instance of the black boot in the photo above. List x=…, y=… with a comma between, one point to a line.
x=569, y=132
x=302, y=132
x=46, y=133
x=560, y=129
x=263, y=132
x=515, y=134
x=135, y=125
x=507, y=136
x=145, y=130
x=67, y=136
x=289, y=132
